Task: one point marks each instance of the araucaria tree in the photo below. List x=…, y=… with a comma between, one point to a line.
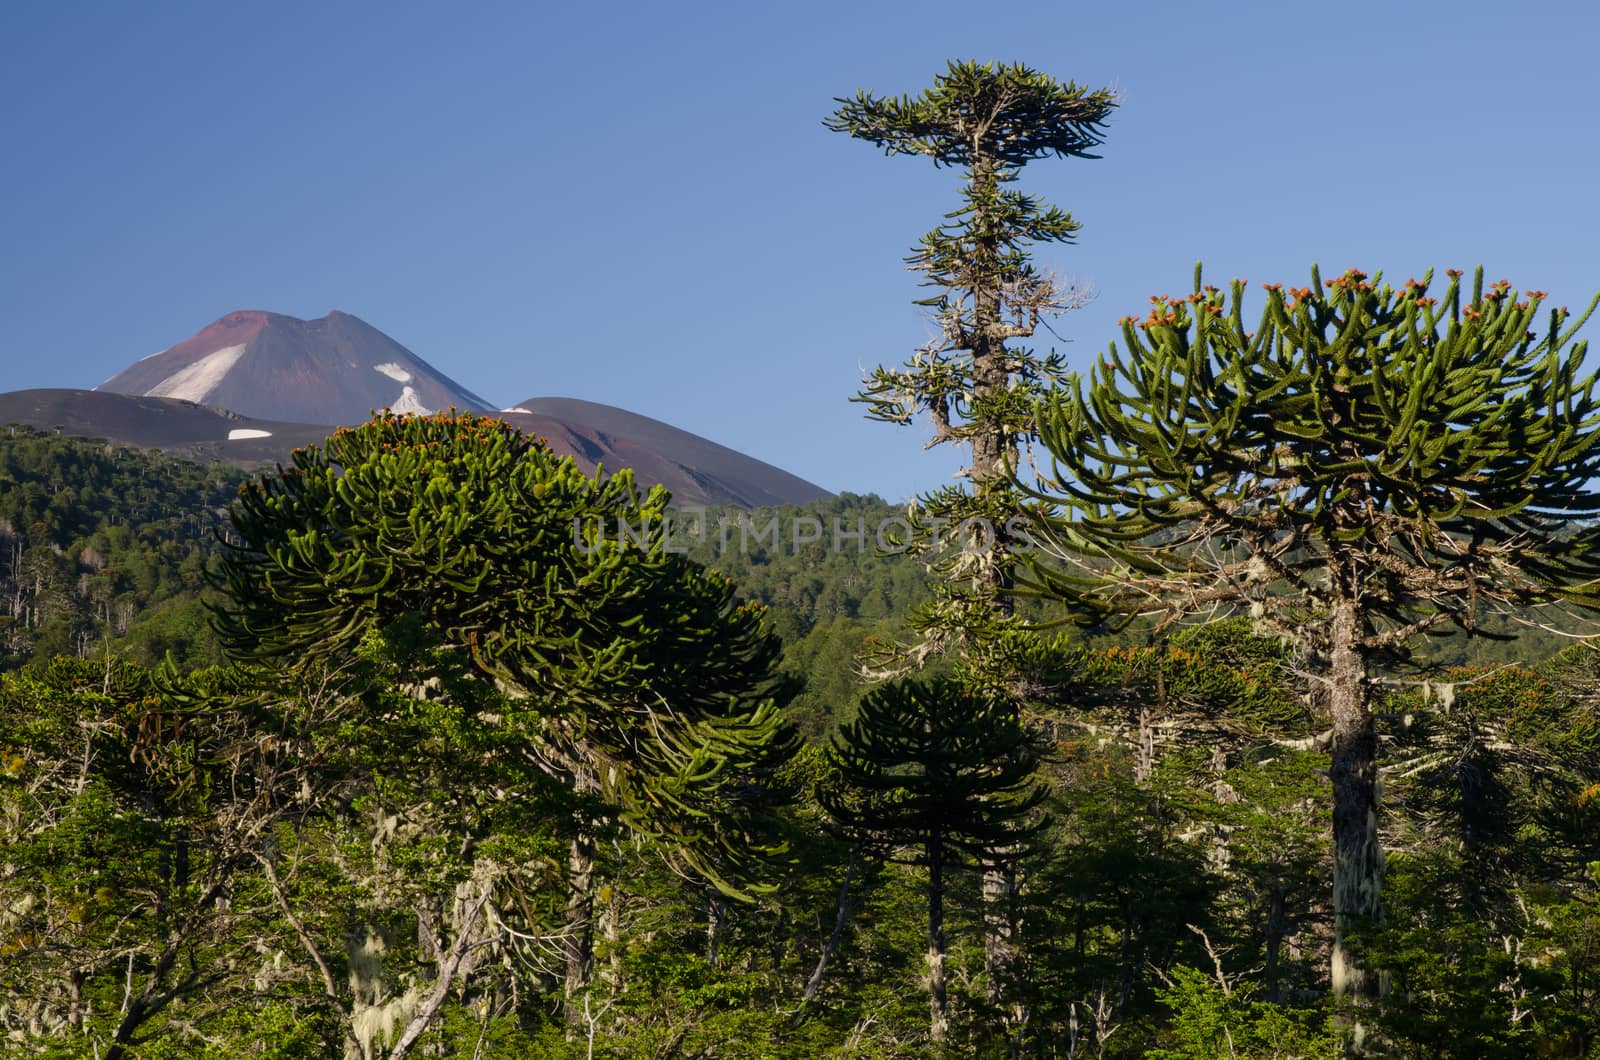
x=1369, y=465
x=976, y=382
x=629, y=674
x=932, y=768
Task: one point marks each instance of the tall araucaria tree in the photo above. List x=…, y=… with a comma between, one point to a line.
x=633, y=674
x=1370, y=465
x=976, y=380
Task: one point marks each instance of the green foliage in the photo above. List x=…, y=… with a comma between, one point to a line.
x=1469, y=980
x=92, y=538
x=1370, y=463
x=975, y=381
x=273, y=1030
x=935, y=768
x=1112, y=899
x=415, y=786
x=1210, y=1021
x=1016, y=115
x=990, y=120
x=811, y=564
x=454, y=690
x=1491, y=934
x=932, y=764
x=826, y=663
x=635, y=670
x=127, y=911
x=1366, y=435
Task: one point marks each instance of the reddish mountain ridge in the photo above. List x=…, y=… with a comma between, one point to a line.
x=273, y=367
x=252, y=386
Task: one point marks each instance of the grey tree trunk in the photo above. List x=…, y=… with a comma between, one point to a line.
x=611, y=931
x=716, y=923
x=578, y=930
x=1003, y=959
x=993, y=458
x=1357, y=856
x=579, y=927
x=938, y=1001
x=846, y=908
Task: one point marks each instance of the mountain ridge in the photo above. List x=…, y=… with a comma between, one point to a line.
x=332, y=369
x=253, y=385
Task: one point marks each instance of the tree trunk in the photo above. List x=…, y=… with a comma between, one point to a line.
x=939, y=1012
x=75, y=999
x=611, y=930
x=1274, y=940
x=989, y=372
x=840, y=918
x=994, y=448
x=1002, y=957
x=1357, y=857
x=716, y=921
x=1144, y=755
x=579, y=928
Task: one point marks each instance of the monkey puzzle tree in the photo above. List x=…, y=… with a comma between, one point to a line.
x=934, y=767
x=975, y=382
x=633, y=674
x=1368, y=465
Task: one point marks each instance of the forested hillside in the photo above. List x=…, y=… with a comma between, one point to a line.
x=104, y=549
x=348, y=841
x=102, y=545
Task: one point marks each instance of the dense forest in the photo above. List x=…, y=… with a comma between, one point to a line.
x=276, y=859
x=103, y=545
x=1264, y=721
x=105, y=550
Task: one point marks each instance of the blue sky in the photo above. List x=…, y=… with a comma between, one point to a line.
x=637, y=204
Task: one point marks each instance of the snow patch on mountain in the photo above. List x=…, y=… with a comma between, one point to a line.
x=409, y=402
x=393, y=371
x=519, y=408
x=239, y=434
x=199, y=379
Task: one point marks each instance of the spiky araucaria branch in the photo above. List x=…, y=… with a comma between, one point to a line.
x=1429, y=453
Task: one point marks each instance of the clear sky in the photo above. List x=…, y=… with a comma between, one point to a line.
x=637, y=203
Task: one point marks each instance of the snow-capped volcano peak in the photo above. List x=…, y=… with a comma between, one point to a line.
x=336, y=369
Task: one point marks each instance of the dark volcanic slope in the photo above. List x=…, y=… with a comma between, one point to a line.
x=696, y=470
x=178, y=427
x=273, y=367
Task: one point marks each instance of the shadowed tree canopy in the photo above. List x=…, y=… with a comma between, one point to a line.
x=929, y=761
x=932, y=767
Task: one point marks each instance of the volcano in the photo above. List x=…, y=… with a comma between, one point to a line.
x=252, y=386
x=334, y=370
